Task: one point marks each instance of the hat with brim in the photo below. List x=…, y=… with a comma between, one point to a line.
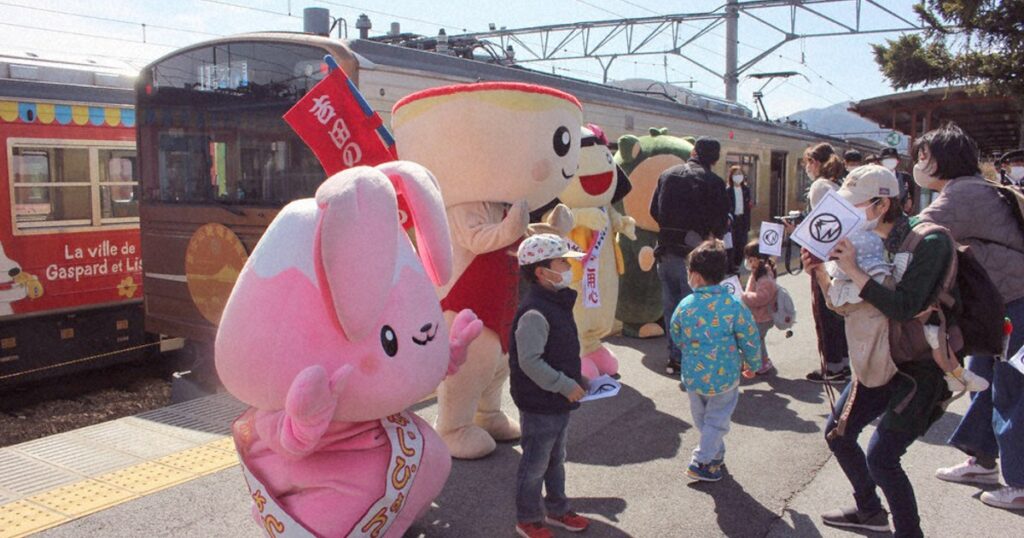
x=867, y=182
x=541, y=247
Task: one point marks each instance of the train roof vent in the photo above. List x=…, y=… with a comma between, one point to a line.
x=24, y=72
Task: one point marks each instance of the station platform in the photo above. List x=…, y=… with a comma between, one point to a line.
x=51, y=481
x=173, y=472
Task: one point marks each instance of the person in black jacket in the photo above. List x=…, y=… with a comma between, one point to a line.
x=690, y=206
x=740, y=205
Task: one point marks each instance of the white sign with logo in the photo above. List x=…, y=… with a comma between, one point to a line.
x=771, y=238
x=831, y=221
x=604, y=386
x=734, y=286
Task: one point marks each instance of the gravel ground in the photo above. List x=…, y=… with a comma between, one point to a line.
x=61, y=404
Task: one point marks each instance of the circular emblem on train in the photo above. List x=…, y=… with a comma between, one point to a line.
x=213, y=260
x=826, y=228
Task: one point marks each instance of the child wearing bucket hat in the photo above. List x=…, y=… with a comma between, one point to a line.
x=546, y=382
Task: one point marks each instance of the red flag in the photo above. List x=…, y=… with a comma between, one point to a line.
x=339, y=126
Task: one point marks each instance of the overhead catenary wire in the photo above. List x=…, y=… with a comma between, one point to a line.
x=108, y=19
x=250, y=8
x=386, y=14
x=84, y=34
x=751, y=47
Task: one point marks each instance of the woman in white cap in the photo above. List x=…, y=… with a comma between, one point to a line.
x=911, y=400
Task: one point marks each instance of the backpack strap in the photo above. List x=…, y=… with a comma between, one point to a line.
x=914, y=238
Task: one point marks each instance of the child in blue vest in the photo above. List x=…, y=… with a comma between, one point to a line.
x=717, y=335
x=546, y=382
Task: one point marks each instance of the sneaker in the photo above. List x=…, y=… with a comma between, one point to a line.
x=1005, y=497
x=672, y=368
x=570, y=521
x=705, y=472
x=817, y=376
x=533, y=530
x=969, y=472
x=720, y=462
x=766, y=367
x=854, y=519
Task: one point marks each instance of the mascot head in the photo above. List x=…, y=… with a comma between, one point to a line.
x=492, y=141
x=644, y=158
x=335, y=281
x=598, y=181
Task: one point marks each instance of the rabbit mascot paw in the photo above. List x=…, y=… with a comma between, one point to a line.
x=598, y=184
x=332, y=330
x=499, y=150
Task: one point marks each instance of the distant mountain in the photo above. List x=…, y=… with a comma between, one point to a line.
x=837, y=120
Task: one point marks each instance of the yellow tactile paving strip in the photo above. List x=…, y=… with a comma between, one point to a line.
x=89, y=492
x=63, y=504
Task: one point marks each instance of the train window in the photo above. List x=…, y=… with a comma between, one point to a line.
x=74, y=185
x=119, y=185
x=213, y=125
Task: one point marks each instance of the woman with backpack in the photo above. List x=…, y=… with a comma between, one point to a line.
x=826, y=169
x=912, y=398
x=979, y=217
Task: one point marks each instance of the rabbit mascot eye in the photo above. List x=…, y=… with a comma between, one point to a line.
x=332, y=330
x=644, y=159
x=499, y=150
x=598, y=184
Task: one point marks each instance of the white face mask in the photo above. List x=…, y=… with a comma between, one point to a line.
x=565, y=278
x=868, y=224
x=890, y=163
x=923, y=174
x=737, y=179
x=1016, y=173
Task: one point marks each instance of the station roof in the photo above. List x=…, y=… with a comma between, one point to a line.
x=994, y=122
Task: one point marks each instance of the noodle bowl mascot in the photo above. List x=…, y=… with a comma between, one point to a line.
x=332, y=330
x=644, y=159
x=597, y=185
x=499, y=150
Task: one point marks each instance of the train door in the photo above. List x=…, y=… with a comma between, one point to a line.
x=778, y=181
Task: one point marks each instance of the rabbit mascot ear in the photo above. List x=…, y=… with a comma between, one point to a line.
x=332, y=331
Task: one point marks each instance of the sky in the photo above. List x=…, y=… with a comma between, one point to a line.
x=834, y=69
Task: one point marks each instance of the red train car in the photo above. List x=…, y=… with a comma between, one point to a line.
x=70, y=259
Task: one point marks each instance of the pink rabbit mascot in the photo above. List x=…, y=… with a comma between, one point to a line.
x=332, y=330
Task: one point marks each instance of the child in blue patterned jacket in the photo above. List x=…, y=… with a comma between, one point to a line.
x=717, y=336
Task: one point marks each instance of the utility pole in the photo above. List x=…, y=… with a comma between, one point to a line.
x=732, y=79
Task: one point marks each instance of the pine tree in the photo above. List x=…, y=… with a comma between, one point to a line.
x=979, y=43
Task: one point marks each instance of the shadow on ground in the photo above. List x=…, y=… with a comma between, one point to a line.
x=600, y=428
x=457, y=511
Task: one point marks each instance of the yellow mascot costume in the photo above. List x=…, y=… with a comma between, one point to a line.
x=499, y=150
x=598, y=184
